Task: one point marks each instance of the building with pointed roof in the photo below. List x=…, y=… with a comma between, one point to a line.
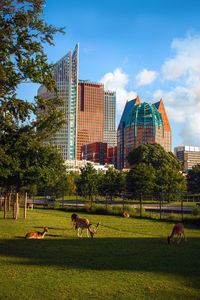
x=141, y=123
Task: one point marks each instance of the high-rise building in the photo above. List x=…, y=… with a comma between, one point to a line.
x=95, y=152
x=90, y=114
x=110, y=133
x=90, y=111
x=66, y=76
x=189, y=156
x=141, y=123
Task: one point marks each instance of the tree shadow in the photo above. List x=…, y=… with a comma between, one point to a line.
x=114, y=254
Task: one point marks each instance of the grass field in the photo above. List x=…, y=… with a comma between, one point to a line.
x=127, y=259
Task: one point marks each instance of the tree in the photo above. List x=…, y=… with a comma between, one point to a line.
x=155, y=155
x=88, y=181
x=141, y=179
x=113, y=182
x=193, y=180
x=23, y=34
x=154, y=169
x=33, y=164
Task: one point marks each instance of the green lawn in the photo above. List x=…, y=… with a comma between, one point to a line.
x=127, y=259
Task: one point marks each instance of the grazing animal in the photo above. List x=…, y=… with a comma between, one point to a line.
x=82, y=223
x=73, y=218
x=36, y=234
x=178, y=230
x=126, y=215
x=30, y=205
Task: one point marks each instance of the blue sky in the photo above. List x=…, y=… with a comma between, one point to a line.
x=146, y=48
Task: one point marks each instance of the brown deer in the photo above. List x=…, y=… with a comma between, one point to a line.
x=30, y=205
x=82, y=223
x=126, y=215
x=73, y=218
x=36, y=234
x=178, y=230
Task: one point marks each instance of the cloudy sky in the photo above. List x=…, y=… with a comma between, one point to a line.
x=148, y=48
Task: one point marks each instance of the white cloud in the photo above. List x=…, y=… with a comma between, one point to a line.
x=186, y=61
x=117, y=81
x=146, y=77
x=182, y=101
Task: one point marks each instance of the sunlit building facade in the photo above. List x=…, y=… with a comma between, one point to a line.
x=141, y=123
x=66, y=76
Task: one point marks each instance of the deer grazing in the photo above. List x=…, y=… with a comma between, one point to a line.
x=36, y=234
x=81, y=223
x=73, y=218
x=178, y=230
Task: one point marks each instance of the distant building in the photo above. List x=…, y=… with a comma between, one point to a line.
x=89, y=110
x=112, y=156
x=95, y=152
x=141, y=123
x=189, y=156
x=76, y=165
x=110, y=133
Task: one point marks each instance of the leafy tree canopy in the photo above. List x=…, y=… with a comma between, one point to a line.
x=23, y=34
x=155, y=155
x=193, y=180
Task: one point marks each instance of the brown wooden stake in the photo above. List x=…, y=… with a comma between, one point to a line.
x=5, y=204
x=9, y=200
x=1, y=199
x=14, y=201
x=25, y=205
x=17, y=207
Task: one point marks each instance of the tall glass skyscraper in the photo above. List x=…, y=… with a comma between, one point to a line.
x=66, y=76
x=90, y=111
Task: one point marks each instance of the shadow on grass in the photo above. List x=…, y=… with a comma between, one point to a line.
x=128, y=254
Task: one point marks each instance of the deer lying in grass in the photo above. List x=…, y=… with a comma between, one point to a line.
x=126, y=215
x=81, y=223
x=36, y=234
x=178, y=230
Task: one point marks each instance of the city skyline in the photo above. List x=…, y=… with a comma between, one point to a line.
x=147, y=49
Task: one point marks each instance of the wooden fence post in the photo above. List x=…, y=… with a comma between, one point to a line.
x=9, y=200
x=14, y=208
x=25, y=205
x=1, y=199
x=17, y=206
x=5, y=204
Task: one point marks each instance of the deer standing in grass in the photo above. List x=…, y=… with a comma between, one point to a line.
x=36, y=234
x=81, y=223
x=178, y=230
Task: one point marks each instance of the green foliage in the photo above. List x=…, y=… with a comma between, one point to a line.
x=23, y=160
x=156, y=170
x=154, y=155
x=141, y=179
x=193, y=180
x=33, y=164
x=196, y=211
x=112, y=182
x=88, y=181
x=23, y=34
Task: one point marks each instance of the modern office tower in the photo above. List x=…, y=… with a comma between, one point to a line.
x=66, y=76
x=90, y=114
x=90, y=111
x=141, y=123
x=189, y=156
x=110, y=133
x=167, y=129
x=95, y=152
